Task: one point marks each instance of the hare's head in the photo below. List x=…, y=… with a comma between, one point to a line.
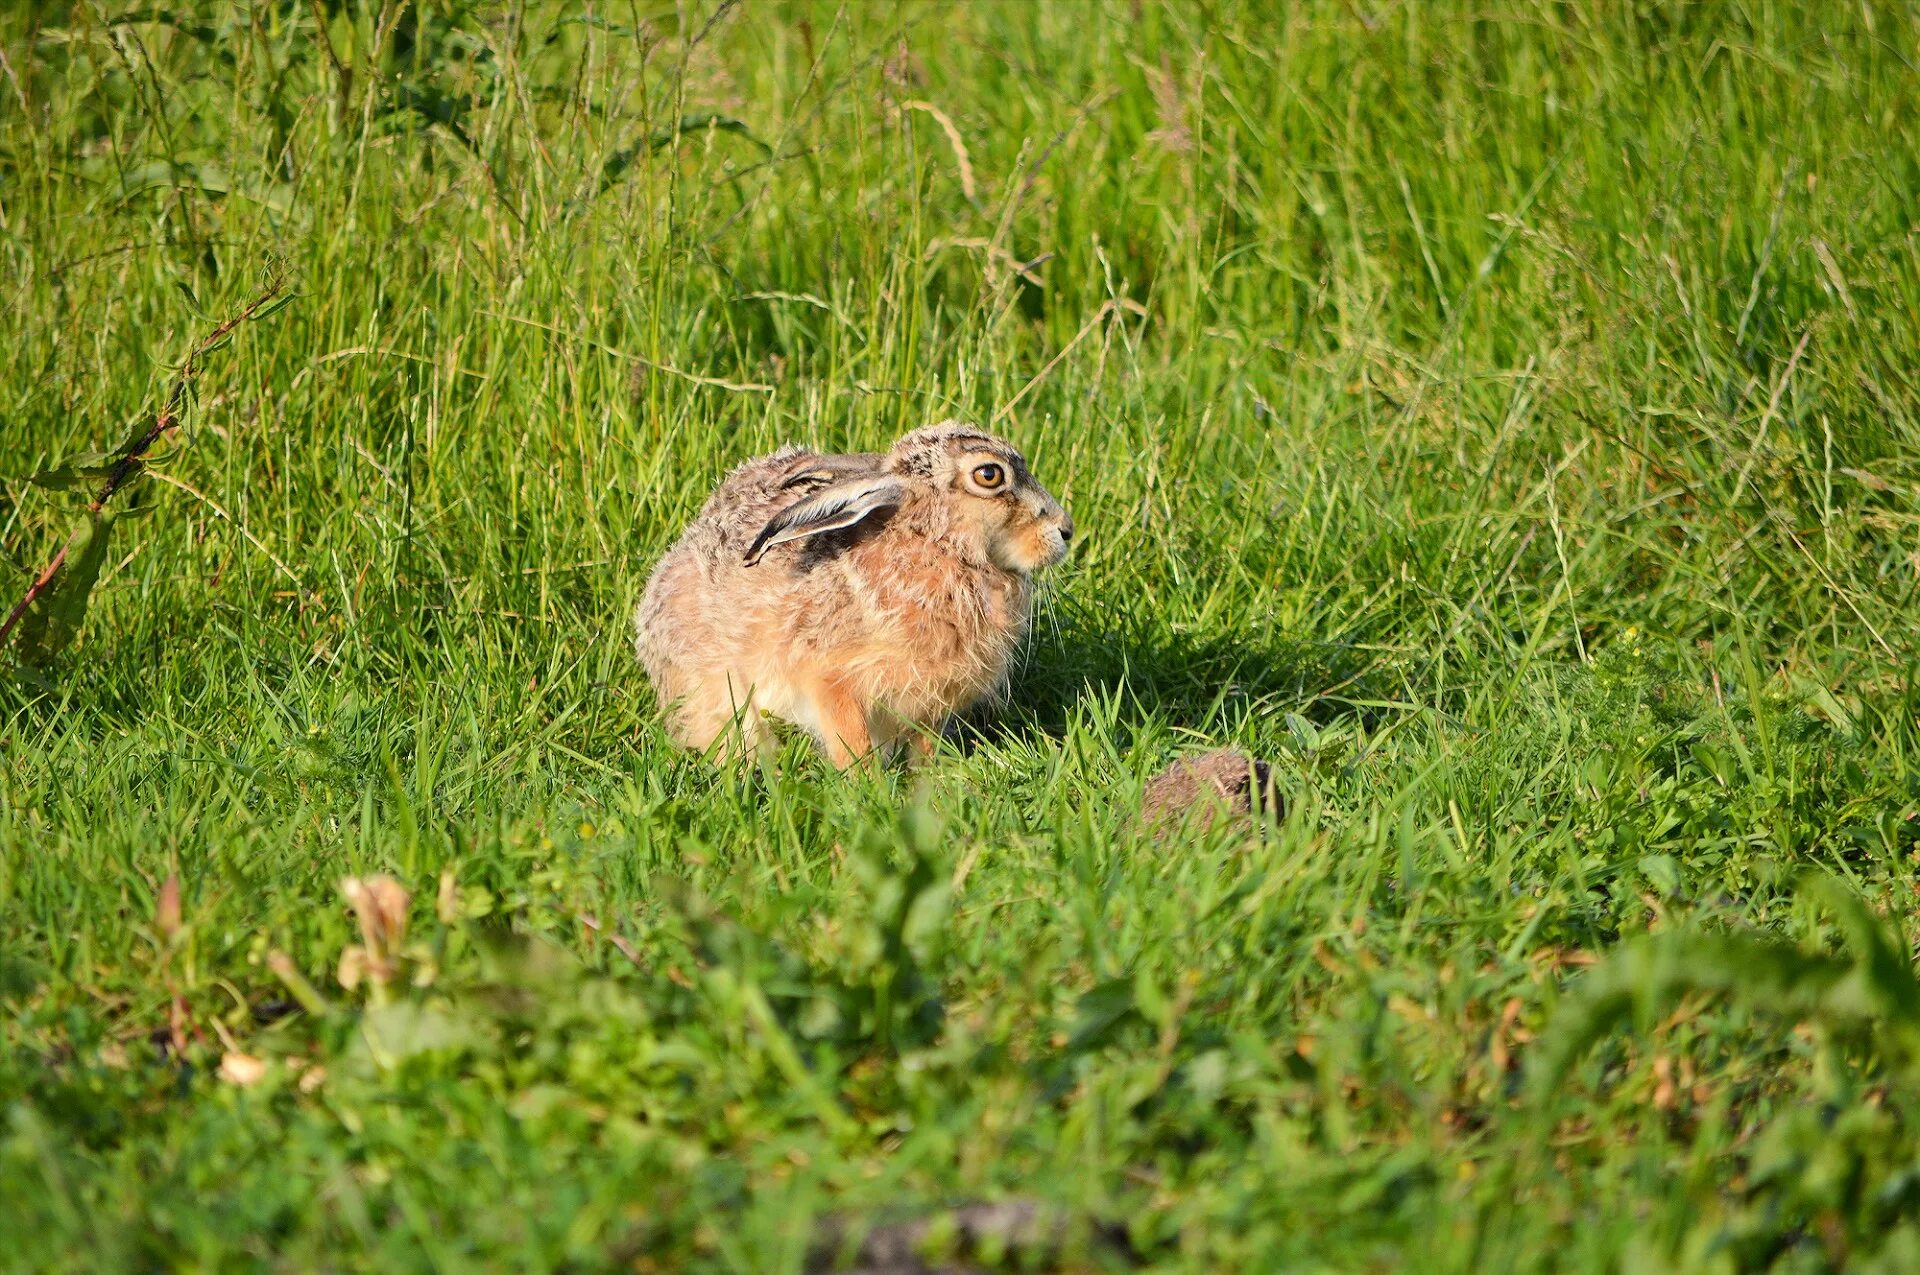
x=990, y=491
x=990, y=499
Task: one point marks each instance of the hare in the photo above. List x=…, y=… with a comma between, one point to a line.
x=865, y=598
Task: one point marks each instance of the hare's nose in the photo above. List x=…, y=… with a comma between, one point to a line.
x=1066, y=530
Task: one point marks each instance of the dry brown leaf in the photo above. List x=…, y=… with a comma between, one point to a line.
x=166, y=909
x=242, y=1069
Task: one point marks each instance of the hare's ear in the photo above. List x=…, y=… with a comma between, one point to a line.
x=838, y=506
x=827, y=471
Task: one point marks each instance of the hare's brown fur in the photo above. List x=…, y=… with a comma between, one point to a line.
x=865, y=598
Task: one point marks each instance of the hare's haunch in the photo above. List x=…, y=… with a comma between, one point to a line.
x=865, y=598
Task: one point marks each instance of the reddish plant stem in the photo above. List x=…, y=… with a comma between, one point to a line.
x=34, y=590
x=130, y=462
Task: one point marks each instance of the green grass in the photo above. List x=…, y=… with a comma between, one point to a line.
x=1502, y=416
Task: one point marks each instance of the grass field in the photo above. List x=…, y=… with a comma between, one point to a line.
x=1502, y=416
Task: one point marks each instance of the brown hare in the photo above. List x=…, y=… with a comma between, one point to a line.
x=864, y=598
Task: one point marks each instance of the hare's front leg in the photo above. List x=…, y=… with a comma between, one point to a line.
x=841, y=719
x=719, y=710
x=923, y=741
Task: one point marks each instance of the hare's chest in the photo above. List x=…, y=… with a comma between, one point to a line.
x=952, y=612
x=953, y=639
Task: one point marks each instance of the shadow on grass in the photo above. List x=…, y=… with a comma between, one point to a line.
x=1180, y=681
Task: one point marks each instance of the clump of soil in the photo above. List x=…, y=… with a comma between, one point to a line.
x=1223, y=783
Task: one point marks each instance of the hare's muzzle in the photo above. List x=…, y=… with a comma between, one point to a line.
x=1054, y=531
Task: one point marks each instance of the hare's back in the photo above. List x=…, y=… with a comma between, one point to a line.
x=702, y=598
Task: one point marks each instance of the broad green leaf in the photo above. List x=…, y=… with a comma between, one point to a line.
x=435, y=106
x=274, y=305
x=80, y=470
x=392, y=1033
x=1099, y=1009
x=200, y=31
x=622, y=159
x=136, y=434
x=1643, y=979
x=1871, y=982
x=54, y=619
x=1886, y=973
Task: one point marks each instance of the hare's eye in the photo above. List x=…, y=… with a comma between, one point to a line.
x=990, y=477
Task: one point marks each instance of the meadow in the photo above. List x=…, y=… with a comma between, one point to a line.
x=1503, y=417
